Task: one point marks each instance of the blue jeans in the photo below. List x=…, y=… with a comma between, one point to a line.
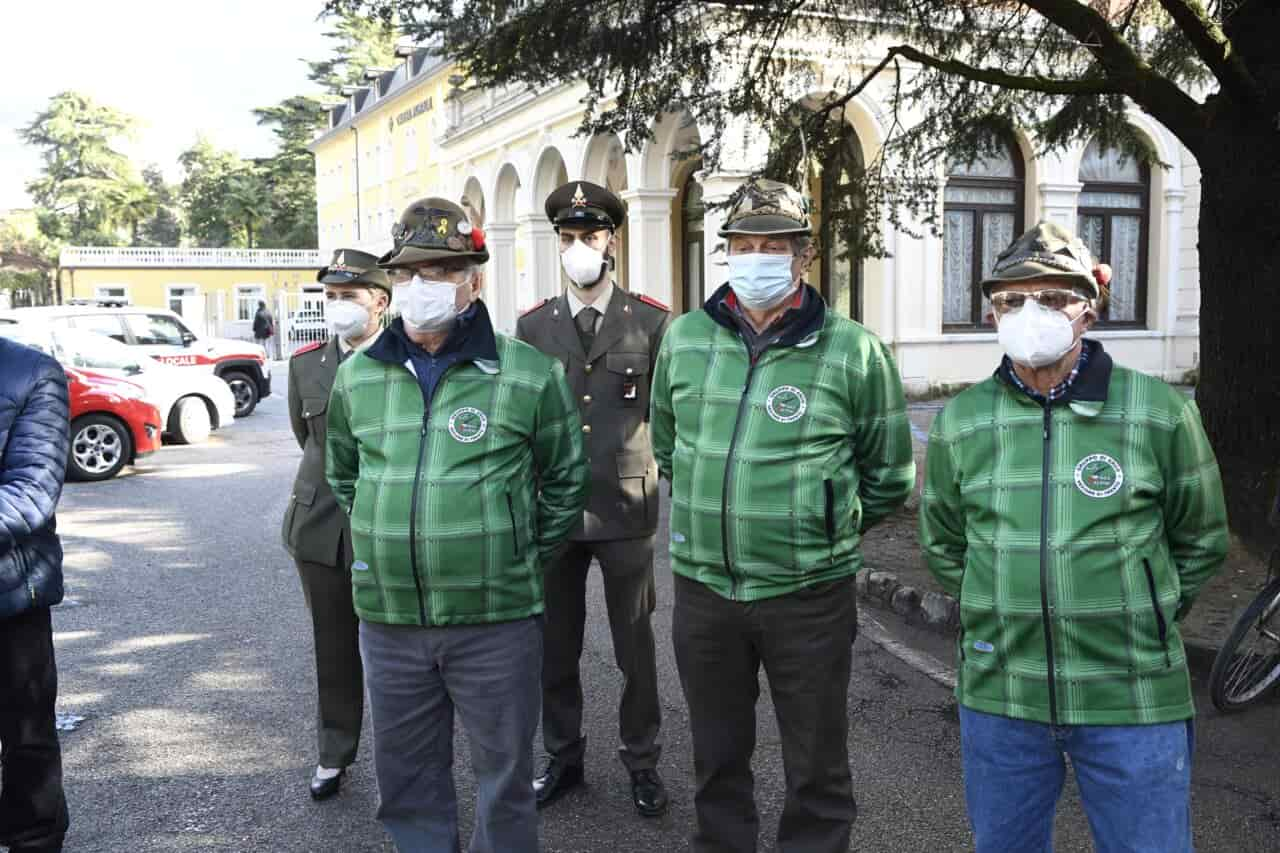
x=1135, y=783
x=418, y=679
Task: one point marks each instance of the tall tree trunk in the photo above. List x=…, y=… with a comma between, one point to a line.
x=1239, y=392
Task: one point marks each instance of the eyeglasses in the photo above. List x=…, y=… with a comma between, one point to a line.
x=1055, y=300
x=453, y=273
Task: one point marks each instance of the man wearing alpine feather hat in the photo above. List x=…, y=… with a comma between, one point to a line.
x=782, y=428
x=607, y=338
x=457, y=453
x=1075, y=508
x=315, y=530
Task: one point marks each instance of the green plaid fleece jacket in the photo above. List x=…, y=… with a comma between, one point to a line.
x=453, y=511
x=777, y=467
x=1075, y=537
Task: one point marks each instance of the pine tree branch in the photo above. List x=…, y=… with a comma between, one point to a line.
x=1004, y=79
x=1132, y=75
x=1214, y=49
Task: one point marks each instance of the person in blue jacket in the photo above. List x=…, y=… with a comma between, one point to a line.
x=34, y=444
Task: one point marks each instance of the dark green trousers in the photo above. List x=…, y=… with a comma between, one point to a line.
x=339, y=675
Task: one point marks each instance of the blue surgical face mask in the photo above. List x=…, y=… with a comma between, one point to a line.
x=761, y=281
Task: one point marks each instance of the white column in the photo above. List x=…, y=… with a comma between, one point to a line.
x=1058, y=203
x=501, y=290
x=649, y=242
x=1171, y=280
x=716, y=189
x=544, y=268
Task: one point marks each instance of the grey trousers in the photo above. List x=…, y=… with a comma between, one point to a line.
x=626, y=566
x=416, y=678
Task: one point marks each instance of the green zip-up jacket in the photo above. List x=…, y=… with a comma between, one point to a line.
x=777, y=466
x=454, y=508
x=1075, y=537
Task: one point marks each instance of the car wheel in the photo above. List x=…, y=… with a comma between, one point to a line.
x=100, y=447
x=189, y=421
x=244, y=389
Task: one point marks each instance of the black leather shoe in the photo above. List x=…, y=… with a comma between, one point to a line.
x=648, y=792
x=556, y=781
x=323, y=789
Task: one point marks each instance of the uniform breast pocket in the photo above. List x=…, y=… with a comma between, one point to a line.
x=629, y=372
x=637, y=477
x=313, y=410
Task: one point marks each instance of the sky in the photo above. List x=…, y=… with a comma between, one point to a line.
x=180, y=67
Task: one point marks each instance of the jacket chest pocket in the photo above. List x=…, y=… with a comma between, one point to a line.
x=628, y=377
x=313, y=411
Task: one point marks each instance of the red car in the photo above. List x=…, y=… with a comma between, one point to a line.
x=111, y=425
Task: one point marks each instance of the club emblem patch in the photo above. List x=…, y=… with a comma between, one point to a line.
x=468, y=424
x=786, y=404
x=1099, y=476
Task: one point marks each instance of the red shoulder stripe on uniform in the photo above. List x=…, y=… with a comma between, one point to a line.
x=536, y=307
x=314, y=345
x=649, y=300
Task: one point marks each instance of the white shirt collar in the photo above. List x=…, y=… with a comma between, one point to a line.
x=601, y=304
x=344, y=347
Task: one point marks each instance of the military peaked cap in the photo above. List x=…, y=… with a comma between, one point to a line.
x=351, y=267
x=582, y=204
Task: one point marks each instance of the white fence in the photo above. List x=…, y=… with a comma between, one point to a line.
x=299, y=321
x=112, y=256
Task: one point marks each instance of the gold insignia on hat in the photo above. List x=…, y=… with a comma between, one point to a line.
x=443, y=227
x=578, y=200
x=341, y=260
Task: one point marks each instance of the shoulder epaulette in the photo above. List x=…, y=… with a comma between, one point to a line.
x=649, y=300
x=314, y=345
x=528, y=311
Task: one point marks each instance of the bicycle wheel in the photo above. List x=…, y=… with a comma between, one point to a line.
x=1249, y=662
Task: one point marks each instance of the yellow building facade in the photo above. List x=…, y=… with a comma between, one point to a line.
x=215, y=290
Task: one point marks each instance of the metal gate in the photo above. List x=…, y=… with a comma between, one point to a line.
x=299, y=320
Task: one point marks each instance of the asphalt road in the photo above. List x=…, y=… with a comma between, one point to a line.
x=187, y=648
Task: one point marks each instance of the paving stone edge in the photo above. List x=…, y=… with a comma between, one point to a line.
x=940, y=613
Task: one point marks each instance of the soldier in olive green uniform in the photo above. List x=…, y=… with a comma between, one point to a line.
x=607, y=340
x=316, y=531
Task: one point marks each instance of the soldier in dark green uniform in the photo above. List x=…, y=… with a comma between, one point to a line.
x=607, y=340
x=357, y=294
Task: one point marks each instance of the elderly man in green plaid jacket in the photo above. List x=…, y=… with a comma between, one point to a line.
x=458, y=454
x=782, y=429
x=1075, y=508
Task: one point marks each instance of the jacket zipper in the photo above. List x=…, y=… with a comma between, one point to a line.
x=1045, y=611
x=1161, y=625
x=413, y=516
x=728, y=478
x=515, y=535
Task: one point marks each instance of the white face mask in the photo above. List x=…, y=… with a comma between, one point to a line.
x=583, y=264
x=1035, y=336
x=429, y=306
x=347, y=319
x=760, y=281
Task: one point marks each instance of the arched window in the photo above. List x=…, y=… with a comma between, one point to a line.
x=841, y=282
x=691, y=239
x=1113, y=220
x=982, y=213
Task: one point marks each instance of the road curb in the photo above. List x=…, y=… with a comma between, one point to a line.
x=940, y=613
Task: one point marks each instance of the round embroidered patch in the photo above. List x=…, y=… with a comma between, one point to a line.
x=1099, y=476
x=786, y=404
x=468, y=424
